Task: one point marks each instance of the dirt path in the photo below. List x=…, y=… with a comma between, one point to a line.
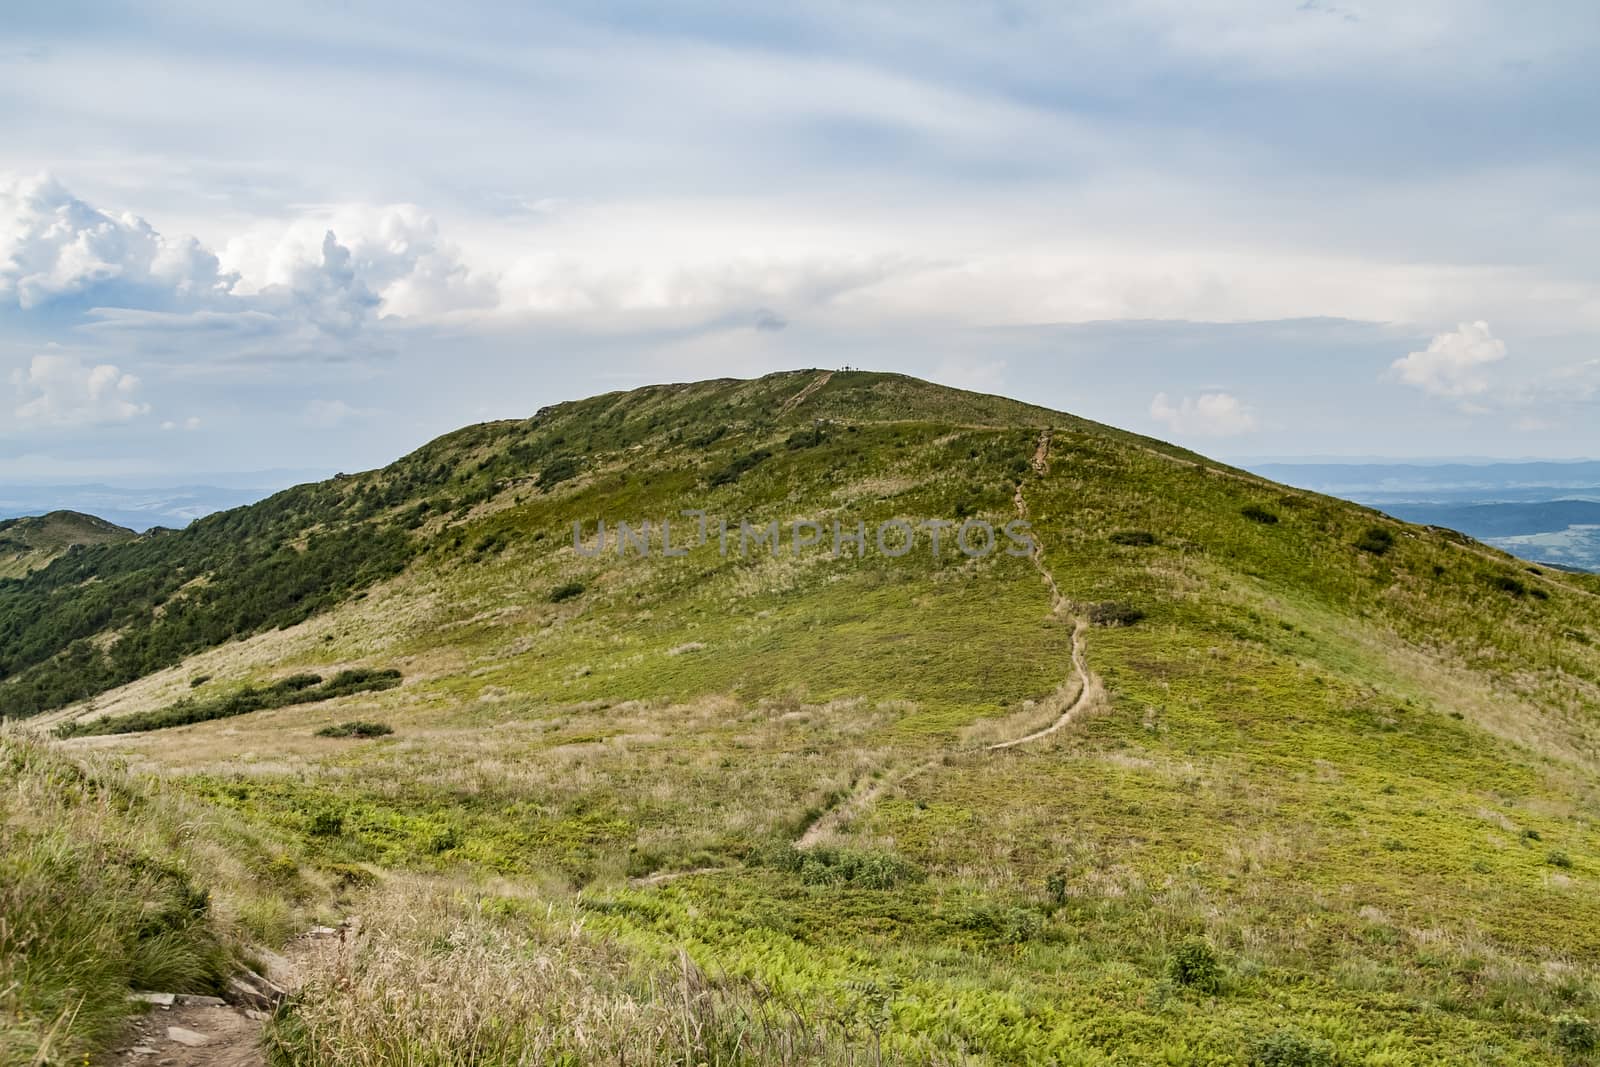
x=189, y=1031
x=805, y=394
x=1073, y=698
x=192, y=1036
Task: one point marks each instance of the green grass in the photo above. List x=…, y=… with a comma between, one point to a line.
x=109, y=885
x=295, y=689
x=1336, y=806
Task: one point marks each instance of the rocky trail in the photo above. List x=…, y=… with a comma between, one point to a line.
x=185, y=1030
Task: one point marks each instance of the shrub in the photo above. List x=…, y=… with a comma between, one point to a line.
x=1290, y=1048
x=1557, y=858
x=295, y=689
x=557, y=471
x=1007, y=924
x=858, y=868
x=1058, y=885
x=1113, y=613
x=1256, y=513
x=325, y=823
x=1576, y=1035
x=730, y=474
x=1508, y=584
x=1194, y=965
x=566, y=591
x=198, y=680
x=805, y=438
x=1133, y=537
x=1375, y=539
x=356, y=728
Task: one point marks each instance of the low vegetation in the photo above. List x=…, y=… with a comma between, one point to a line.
x=108, y=884
x=356, y=728
x=1321, y=805
x=295, y=689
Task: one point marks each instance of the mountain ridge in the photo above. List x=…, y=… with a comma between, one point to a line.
x=1222, y=767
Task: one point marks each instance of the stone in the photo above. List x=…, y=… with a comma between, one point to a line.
x=193, y=1000
x=250, y=990
x=188, y=1038
x=160, y=1000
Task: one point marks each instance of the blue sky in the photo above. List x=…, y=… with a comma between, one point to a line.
x=237, y=237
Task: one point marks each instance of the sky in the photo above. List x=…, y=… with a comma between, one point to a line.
x=241, y=236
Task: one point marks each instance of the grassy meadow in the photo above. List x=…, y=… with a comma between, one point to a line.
x=1334, y=801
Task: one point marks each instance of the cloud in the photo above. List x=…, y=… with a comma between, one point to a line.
x=1452, y=364
x=53, y=246
x=60, y=390
x=1211, y=415
x=307, y=287
x=769, y=320
x=359, y=257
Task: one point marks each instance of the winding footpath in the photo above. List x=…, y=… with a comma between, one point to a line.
x=1072, y=699
x=1075, y=697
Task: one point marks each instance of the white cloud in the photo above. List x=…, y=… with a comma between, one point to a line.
x=390, y=259
x=60, y=390
x=1209, y=415
x=1452, y=364
x=303, y=287
x=53, y=245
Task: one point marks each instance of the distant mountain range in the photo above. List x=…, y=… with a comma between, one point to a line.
x=141, y=507
x=1543, y=511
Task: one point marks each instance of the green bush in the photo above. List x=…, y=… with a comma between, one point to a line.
x=356, y=728
x=1290, y=1048
x=566, y=591
x=1508, y=584
x=1575, y=1035
x=325, y=823
x=732, y=472
x=561, y=469
x=1114, y=613
x=1256, y=513
x=1133, y=537
x=1007, y=924
x=857, y=868
x=295, y=689
x=1194, y=965
x=1375, y=539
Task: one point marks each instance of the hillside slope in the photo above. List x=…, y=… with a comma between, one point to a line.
x=1222, y=772
x=32, y=542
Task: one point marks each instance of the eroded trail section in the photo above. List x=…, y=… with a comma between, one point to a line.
x=1072, y=699
x=805, y=394
x=1082, y=691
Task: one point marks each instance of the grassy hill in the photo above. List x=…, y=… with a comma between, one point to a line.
x=1224, y=772
x=30, y=543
